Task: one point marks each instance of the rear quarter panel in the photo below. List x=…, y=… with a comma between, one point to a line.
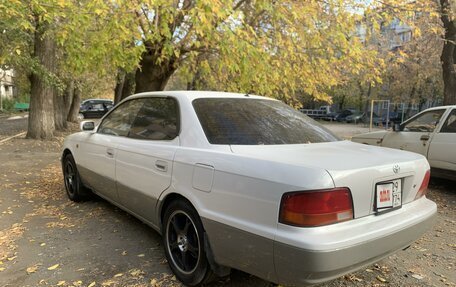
x=240, y=211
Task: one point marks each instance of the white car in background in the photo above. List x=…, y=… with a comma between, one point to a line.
x=246, y=182
x=431, y=133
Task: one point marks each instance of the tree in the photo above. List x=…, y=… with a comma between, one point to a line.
x=281, y=49
x=41, y=116
x=448, y=56
x=411, y=70
x=272, y=48
x=60, y=41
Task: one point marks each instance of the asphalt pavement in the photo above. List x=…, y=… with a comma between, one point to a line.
x=12, y=124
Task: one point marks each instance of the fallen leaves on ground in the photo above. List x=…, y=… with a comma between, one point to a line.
x=53, y=267
x=48, y=187
x=7, y=241
x=381, y=279
x=32, y=269
x=353, y=278
x=136, y=272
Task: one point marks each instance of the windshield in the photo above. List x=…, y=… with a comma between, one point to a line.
x=239, y=121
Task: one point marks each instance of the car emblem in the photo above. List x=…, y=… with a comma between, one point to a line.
x=396, y=168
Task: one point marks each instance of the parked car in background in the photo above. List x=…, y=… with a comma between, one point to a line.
x=355, y=117
x=330, y=117
x=431, y=133
x=94, y=108
x=246, y=182
x=319, y=113
x=341, y=117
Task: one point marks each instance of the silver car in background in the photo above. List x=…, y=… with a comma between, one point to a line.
x=431, y=133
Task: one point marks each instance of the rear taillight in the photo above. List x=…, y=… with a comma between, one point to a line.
x=424, y=185
x=316, y=207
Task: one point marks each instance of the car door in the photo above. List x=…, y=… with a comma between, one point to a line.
x=144, y=160
x=99, y=148
x=442, y=150
x=416, y=133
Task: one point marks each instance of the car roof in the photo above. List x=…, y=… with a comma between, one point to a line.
x=440, y=107
x=191, y=95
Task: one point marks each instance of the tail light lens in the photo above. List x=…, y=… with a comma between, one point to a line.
x=316, y=207
x=424, y=185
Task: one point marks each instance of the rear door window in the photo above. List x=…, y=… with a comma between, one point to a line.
x=156, y=120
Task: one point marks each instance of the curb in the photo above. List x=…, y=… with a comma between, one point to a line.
x=12, y=137
x=17, y=117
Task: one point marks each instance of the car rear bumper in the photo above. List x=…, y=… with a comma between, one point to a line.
x=314, y=255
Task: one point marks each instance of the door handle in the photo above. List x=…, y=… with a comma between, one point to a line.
x=161, y=165
x=424, y=137
x=110, y=152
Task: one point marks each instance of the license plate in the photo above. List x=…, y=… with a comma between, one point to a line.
x=388, y=195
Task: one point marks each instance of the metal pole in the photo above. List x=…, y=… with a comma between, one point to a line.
x=372, y=114
x=403, y=109
x=1, y=99
x=388, y=115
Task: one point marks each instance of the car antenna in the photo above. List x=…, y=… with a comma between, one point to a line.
x=247, y=95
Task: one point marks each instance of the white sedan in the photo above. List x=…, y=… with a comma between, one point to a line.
x=246, y=182
x=431, y=133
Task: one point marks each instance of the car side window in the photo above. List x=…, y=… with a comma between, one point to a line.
x=156, y=120
x=119, y=121
x=450, y=124
x=426, y=122
x=97, y=107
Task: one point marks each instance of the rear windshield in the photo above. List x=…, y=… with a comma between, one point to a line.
x=239, y=121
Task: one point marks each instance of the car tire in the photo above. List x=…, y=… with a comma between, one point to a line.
x=74, y=187
x=183, y=240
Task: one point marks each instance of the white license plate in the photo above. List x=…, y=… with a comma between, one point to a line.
x=388, y=195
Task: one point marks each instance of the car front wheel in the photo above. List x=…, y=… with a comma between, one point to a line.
x=183, y=237
x=75, y=190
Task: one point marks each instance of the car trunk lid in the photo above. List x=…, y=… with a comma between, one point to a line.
x=358, y=167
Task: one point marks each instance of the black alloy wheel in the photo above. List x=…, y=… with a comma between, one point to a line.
x=75, y=190
x=183, y=237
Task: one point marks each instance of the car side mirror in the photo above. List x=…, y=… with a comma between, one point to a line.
x=87, y=126
x=397, y=127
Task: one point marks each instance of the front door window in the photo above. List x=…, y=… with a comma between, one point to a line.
x=118, y=122
x=426, y=122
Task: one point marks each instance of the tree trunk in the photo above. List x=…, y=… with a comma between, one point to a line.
x=448, y=54
x=196, y=81
x=411, y=96
x=360, y=96
x=68, y=97
x=75, y=103
x=368, y=102
x=41, y=115
x=152, y=76
x=62, y=102
x=60, y=115
x=128, y=88
x=342, y=102
x=120, y=81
